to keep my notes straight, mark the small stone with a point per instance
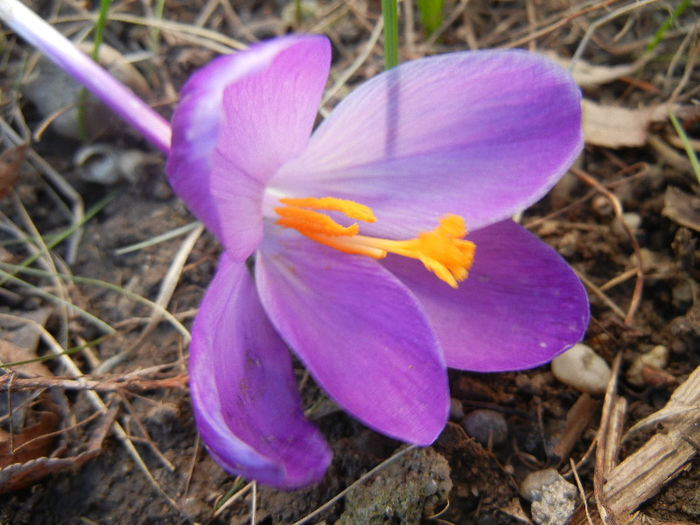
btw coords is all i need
(486, 425)
(682, 295)
(569, 244)
(456, 409)
(553, 498)
(581, 368)
(632, 220)
(431, 487)
(161, 415)
(649, 259)
(602, 206)
(657, 357)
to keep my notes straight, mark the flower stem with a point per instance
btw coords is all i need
(391, 34)
(60, 50)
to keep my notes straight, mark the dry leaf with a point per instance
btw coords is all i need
(10, 162)
(11, 353)
(20, 328)
(31, 443)
(20, 337)
(19, 475)
(682, 208)
(617, 127)
(589, 75)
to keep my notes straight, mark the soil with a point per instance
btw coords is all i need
(147, 392)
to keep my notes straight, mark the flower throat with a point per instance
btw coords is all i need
(442, 250)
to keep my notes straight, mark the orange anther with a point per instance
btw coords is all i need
(350, 208)
(442, 250)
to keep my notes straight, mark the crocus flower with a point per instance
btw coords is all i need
(357, 234)
(348, 244)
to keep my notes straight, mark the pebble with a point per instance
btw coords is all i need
(569, 243)
(581, 368)
(602, 206)
(682, 295)
(553, 498)
(105, 164)
(657, 357)
(632, 220)
(456, 409)
(485, 424)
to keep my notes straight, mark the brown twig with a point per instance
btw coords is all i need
(9, 382)
(580, 490)
(604, 509)
(617, 207)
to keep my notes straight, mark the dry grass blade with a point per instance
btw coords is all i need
(104, 327)
(600, 294)
(604, 508)
(165, 293)
(602, 21)
(361, 58)
(204, 37)
(581, 492)
(118, 431)
(67, 191)
(93, 282)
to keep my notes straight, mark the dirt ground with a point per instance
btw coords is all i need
(121, 446)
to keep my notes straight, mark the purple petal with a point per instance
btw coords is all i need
(239, 119)
(244, 395)
(477, 134)
(520, 306)
(360, 332)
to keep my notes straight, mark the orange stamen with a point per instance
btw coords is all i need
(350, 208)
(442, 250)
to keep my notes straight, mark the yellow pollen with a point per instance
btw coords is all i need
(442, 250)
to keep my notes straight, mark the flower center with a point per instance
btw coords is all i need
(442, 250)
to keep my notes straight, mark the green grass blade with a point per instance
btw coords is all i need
(391, 34)
(155, 32)
(55, 240)
(158, 239)
(686, 144)
(68, 351)
(100, 28)
(5, 268)
(661, 31)
(99, 323)
(99, 31)
(430, 15)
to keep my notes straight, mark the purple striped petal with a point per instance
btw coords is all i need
(520, 306)
(478, 134)
(239, 119)
(360, 333)
(244, 396)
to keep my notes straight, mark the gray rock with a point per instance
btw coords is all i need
(484, 425)
(456, 409)
(407, 491)
(553, 498)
